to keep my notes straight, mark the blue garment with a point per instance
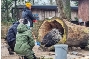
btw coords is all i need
(27, 16)
(11, 35)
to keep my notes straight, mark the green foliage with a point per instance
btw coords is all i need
(20, 2)
(6, 4)
(47, 19)
(76, 3)
(76, 18)
(10, 20)
(6, 8)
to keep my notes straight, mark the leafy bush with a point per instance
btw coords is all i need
(76, 18)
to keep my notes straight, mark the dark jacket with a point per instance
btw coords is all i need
(27, 15)
(11, 35)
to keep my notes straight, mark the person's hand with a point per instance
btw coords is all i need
(21, 20)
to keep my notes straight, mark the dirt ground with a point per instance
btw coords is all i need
(73, 54)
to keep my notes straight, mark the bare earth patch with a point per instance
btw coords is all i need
(73, 54)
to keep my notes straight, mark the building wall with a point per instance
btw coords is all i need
(49, 14)
(83, 10)
(39, 12)
(42, 14)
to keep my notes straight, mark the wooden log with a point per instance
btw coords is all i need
(77, 35)
(74, 35)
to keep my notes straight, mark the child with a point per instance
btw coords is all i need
(24, 42)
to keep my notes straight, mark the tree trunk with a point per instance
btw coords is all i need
(64, 9)
(74, 35)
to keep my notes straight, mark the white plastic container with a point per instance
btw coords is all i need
(61, 51)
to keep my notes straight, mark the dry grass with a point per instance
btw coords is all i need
(4, 29)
